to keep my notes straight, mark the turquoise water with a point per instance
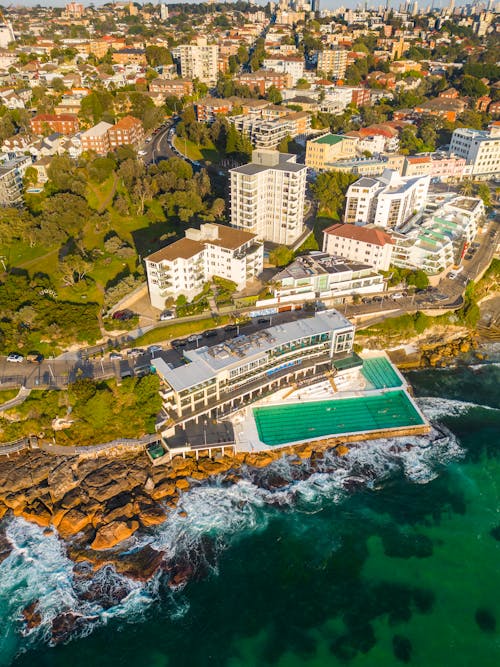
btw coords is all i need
(279, 424)
(390, 559)
(380, 373)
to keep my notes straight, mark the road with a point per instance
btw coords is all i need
(159, 147)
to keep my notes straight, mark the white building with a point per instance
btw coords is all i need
(11, 180)
(366, 244)
(480, 148)
(222, 377)
(319, 275)
(387, 201)
(268, 195)
(199, 60)
(183, 267)
(441, 239)
(294, 66)
(6, 35)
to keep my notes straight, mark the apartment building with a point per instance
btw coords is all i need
(322, 151)
(387, 201)
(222, 377)
(367, 244)
(441, 239)
(480, 148)
(260, 81)
(320, 275)
(65, 123)
(439, 165)
(294, 66)
(130, 56)
(175, 87)
(333, 62)
(96, 138)
(128, 131)
(183, 267)
(268, 196)
(199, 61)
(208, 108)
(11, 180)
(267, 132)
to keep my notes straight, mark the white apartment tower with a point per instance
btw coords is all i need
(199, 60)
(268, 195)
(333, 62)
(480, 148)
(387, 201)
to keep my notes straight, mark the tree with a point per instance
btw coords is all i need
(473, 87)
(30, 177)
(467, 188)
(101, 168)
(158, 55)
(484, 192)
(284, 143)
(330, 188)
(274, 95)
(281, 256)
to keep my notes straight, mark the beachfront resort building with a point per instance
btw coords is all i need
(216, 380)
(183, 267)
(268, 196)
(387, 201)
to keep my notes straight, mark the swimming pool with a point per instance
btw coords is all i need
(380, 373)
(280, 424)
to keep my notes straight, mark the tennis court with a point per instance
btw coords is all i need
(380, 373)
(280, 424)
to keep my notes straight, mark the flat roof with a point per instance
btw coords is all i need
(319, 263)
(330, 139)
(206, 362)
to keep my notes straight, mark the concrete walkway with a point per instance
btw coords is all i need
(22, 395)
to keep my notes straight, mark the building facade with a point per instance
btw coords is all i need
(128, 131)
(333, 62)
(11, 180)
(387, 201)
(325, 150)
(183, 267)
(199, 61)
(64, 123)
(481, 149)
(367, 244)
(219, 378)
(268, 197)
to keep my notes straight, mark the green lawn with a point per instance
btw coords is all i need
(195, 152)
(180, 329)
(321, 223)
(7, 395)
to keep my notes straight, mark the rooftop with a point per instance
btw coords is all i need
(319, 263)
(330, 139)
(206, 362)
(366, 234)
(182, 249)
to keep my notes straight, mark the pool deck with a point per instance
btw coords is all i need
(352, 385)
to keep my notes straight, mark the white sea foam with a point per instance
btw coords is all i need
(434, 407)
(38, 568)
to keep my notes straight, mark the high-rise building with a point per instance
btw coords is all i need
(333, 62)
(267, 196)
(163, 12)
(199, 61)
(387, 201)
(481, 149)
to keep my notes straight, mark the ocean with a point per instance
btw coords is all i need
(387, 556)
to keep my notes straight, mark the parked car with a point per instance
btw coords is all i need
(397, 296)
(366, 299)
(194, 338)
(15, 358)
(178, 342)
(230, 328)
(35, 357)
(135, 352)
(115, 356)
(210, 333)
(123, 315)
(152, 349)
(167, 315)
(264, 320)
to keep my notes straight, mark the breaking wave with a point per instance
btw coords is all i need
(435, 408)
(208, 519)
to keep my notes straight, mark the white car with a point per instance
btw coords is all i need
(167, 315)
(15, 358)
(116, 355)
(155, 348)
(141, 153)
(135, 352)
(194, 337)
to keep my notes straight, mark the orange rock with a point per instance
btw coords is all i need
(113, 533)
(152, 515)
(163, 490)
(342, 450)
(182, 484)
(38, 515)
(73, 522)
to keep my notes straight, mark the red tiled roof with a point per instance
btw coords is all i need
(363, 234)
